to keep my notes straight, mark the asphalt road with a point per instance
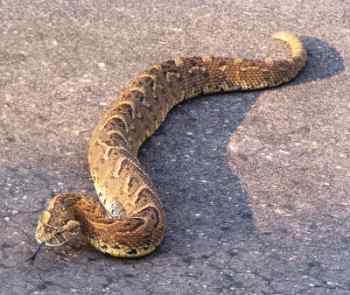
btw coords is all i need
(256, 185)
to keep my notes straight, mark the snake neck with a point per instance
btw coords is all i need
(129, 237)
(94, 219)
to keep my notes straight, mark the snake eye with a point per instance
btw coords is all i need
(59, 234)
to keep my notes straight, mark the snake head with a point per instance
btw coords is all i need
(57, 225)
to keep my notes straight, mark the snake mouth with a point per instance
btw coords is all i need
(55, 242)
(54, 245)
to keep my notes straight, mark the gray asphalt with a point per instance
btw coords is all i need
(256, 185)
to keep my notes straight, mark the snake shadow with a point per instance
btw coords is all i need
(205, 204)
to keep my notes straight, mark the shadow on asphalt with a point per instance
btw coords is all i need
(186, 159)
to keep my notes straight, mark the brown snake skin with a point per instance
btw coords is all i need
(128, 220)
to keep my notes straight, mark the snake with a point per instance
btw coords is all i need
(127, 218)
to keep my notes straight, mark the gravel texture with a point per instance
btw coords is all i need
(256, 185)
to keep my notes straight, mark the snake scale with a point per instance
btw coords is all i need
(129, 220)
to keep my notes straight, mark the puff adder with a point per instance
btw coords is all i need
(129, 220)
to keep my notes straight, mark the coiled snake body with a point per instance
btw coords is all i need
(128, 220)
